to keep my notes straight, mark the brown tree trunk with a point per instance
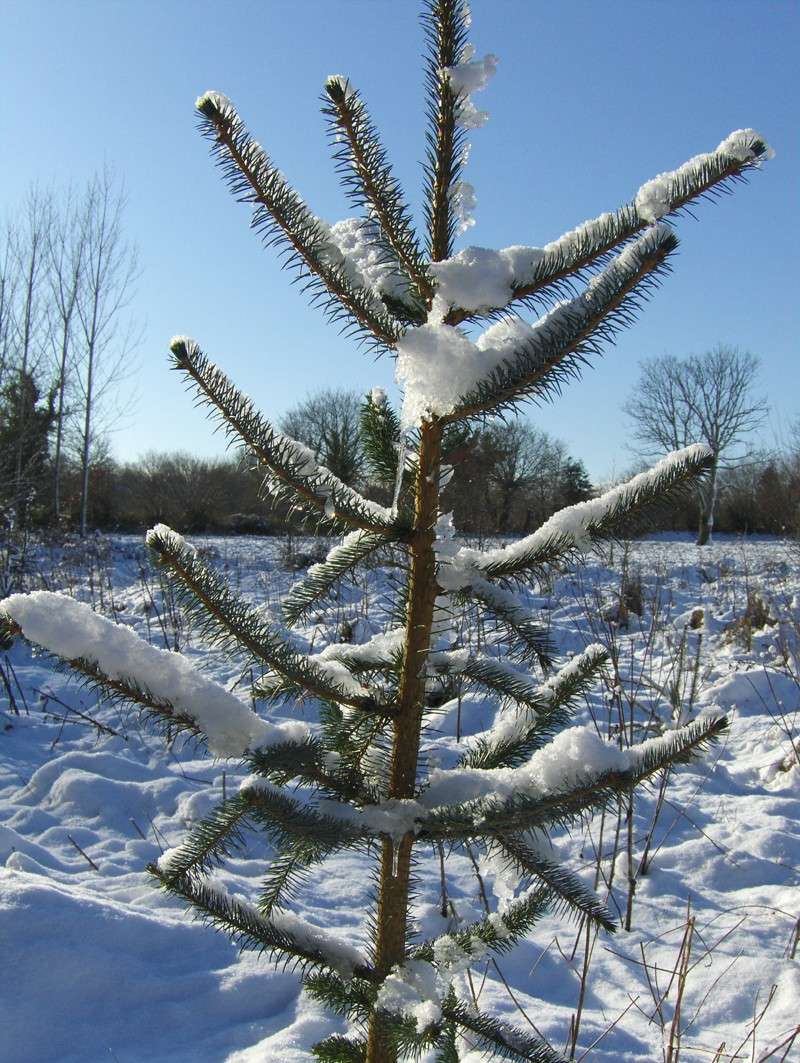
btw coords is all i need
(390, 947)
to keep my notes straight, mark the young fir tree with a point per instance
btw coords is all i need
(358, 780)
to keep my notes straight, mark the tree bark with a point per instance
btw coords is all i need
(86, 444)
(390, 947)
(20, 500)
(708, 506)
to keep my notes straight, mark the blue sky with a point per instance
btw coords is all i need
(590, 100)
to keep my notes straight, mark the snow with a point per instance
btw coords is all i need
(478, 279)
(463, 202)
(656, 197)
(347, 246)
(470, 75)
(334, 555)
(449, 955)
(217, 99)
(293, 458)
(175, 540)
(414, 990)
(323, 482)
(341, 955)
(574, 756)
(514, 721)
(340, 81)
(553, 684)
(97, 949)
(436, 364)
(339, 675)
(377, 652)
(393, 818)
(72, 631)
(364, 262)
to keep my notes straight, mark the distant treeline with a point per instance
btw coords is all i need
(494, 492)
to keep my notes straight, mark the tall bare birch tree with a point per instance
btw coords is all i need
(28, 324)
(108, 270)
(65, 242)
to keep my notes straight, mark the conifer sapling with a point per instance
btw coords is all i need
(364, 778)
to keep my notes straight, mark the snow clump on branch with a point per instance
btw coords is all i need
(414, 990)
(362, 258)
(470, 75)
(437, 364)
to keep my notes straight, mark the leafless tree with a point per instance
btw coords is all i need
(512, 476)
(66, 243)
(527, 463)
(28, 321)
(703, 398)
(108, 270)
(327, 422)
(8, 287)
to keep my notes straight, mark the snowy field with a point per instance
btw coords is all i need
(99, 966)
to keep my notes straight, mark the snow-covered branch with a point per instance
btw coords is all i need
(228, 621)
(74, 632)
(281, 216)
(445, 374)
(576, 527)
(321, 577)
(289, 464)
(519, 273)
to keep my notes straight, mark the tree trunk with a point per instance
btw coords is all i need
(390, 947)
(60, 425)
(87, 429)
(708, 503)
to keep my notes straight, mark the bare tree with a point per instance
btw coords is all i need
(65, 242)
(328, 423)
(108, 269)
(525, 470)
(511, 476)
(27, 325)
(703, 398)
(8, 288)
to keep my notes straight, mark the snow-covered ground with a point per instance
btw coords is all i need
(97, 965)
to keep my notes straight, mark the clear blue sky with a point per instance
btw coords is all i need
(591, 98)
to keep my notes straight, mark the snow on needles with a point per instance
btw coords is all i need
(338, 954)
(414, 990)
(353, 246)
(577, 756)
(72, 631)
(574, 756)
(343, 957)
(467, 77)
(573, 525)
(437, 364)
(655, 198)
(480, 278)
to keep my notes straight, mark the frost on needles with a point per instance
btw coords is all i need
(475, 332)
